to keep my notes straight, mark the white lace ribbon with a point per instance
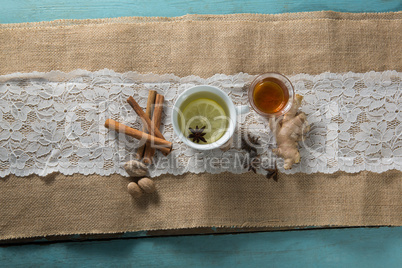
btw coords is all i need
(53, 122)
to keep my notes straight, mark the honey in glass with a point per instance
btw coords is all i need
(271, 94)
(269, 97)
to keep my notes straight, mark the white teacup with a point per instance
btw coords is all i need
(232, 112)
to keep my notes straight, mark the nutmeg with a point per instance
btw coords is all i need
(136, 168)
(134, 189)
(147, 185)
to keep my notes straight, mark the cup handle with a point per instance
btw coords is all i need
(242, 109)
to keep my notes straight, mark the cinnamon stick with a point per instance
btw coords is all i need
(156, 123)
(148, 111)
(161, 144)
(145, 118)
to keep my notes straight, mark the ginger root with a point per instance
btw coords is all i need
(289, 132)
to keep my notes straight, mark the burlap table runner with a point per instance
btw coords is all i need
(202, 45)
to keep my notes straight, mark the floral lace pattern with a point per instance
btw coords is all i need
(53, 122)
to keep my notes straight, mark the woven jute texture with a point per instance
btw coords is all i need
(202, 45)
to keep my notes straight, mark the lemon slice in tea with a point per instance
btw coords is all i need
(204, 113)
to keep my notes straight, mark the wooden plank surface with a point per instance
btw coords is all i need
(45, 10)
(350, 247)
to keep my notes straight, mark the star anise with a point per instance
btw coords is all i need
(197, 134)
(250, 144)
(254, 164)
(272, 173)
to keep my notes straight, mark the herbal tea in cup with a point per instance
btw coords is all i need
(204, 117)
(271, 94)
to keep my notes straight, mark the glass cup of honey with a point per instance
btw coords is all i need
(271, 94)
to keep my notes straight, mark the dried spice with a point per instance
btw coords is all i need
(288, 132)
(249, 146)
(272, 173)
(254, 140)
(254, 164)
(197, 134)
(147, 185)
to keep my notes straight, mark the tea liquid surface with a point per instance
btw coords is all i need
(204, 109)
(269, 96)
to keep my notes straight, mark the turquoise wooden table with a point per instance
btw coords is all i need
(311, 247)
